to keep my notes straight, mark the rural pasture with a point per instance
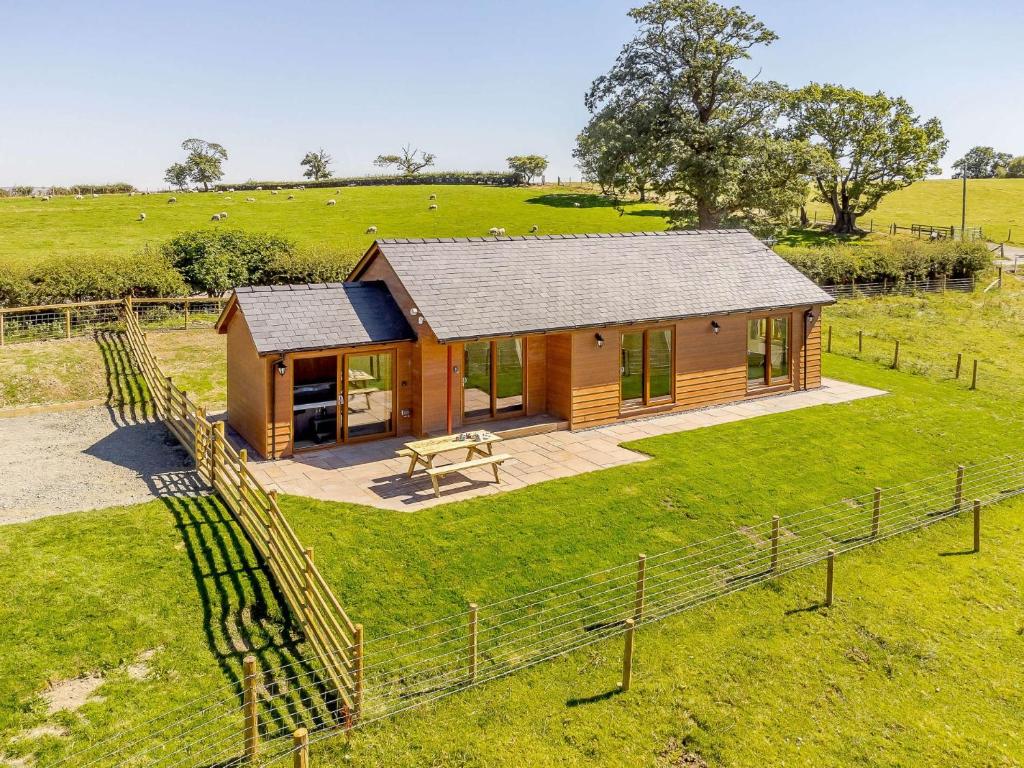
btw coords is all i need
(31, 229)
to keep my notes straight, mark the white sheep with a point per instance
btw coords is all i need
(250, 199)
(142, 217)
(231, 189)
(273, 191)
(501, 231)
(215, 217)
(95, 195)
(372, 230)
(332, 201)
(534, 229)
(433, 197)
(493, 231)
(432, 207)
(575, 205)
(220, 191)
(259, 189)
(79, 197)
(291, 197)
(172, 200)
(223, 214)
(132, 194)
(45, 198)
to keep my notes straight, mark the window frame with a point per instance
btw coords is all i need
(646, 401)
(768, 381)
(493, 413)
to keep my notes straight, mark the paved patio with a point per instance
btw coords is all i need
(370, 473)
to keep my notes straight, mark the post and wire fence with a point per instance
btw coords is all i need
(855, 290)
(282, 711)
(66, 321)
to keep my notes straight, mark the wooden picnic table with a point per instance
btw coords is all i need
(477, 443)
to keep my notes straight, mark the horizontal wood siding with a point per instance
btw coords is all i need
(595, 378)
(246, 385)
(279, 429)
(814, 352)
(558, 374)
(711, 367)
(433, 385)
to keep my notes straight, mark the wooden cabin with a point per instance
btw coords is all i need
(433, 336)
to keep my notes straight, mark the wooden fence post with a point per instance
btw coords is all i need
(775, 541)
(959, 364)
(999, 281)
(249, 707)
(627, 655)
(829, 576)
(974, 375)
(641, 578)
(977, 525)
(474, 628)
(876, 512)
(67, 323)
(958, 490)
(860, 341)
(829, 338)
(357, 657)
(300, 748)
(307, 582)
(3, 330)
(217, 451)
(896, 356)
(186, 314)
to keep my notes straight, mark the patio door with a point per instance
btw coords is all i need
(369, 395)
(493, 378)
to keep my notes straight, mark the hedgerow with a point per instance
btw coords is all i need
(494, 178)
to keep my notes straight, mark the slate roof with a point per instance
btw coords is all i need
(291, 318)
(474, 287)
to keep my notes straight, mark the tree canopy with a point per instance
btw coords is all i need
(409, 161)
(316, 164)
(676, 109)
(982, 163)
(203, 164)
(527, 166)
(876, 144)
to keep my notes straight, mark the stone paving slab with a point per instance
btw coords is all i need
(371, 474)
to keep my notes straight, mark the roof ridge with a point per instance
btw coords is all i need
(556, 236)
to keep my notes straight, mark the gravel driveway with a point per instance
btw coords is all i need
(53, 463)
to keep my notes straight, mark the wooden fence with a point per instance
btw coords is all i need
(64, 321)
(334, 638)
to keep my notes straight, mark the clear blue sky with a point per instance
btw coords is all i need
(104, 91)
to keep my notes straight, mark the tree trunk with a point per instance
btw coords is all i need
(708, 217)
(804, 221)
(642, 189)
(846, 222)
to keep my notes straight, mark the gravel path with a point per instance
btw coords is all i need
(53, 463)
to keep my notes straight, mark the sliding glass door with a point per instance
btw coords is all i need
(493, 378)
(369, 381)
(768, 362)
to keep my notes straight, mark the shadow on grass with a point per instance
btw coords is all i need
(584, 700)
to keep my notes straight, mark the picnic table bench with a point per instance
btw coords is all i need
(479, 453)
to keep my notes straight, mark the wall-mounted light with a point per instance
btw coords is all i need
(414, 311)
(809, 317)
(715, 327)
(599, 339)
(282, 367)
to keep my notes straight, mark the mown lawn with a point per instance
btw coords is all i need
(108, 226)
(995, 205)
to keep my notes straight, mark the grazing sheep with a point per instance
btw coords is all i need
(259, 189)
(132, 194)
(332, 202)
(493, 231)
(371, 230)
(534, 229)
(433, 207)
(95, 195)
(220, 191)
(433, 197)
(215, 217)
(291, 197)
(273, 191)
(45, 198)
(501, 231)
(79, 197)
(223, 214)
(575, 205)
(280, 187)
(142, 217)
(250, 199)
(172, 199)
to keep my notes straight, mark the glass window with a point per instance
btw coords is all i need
(508, 361)
(476, 379)
(768, 351)
(369, 387)
(631, 368)
(493, 378)
(645, 367)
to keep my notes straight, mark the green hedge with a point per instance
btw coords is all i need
(893, 260)
(493, 178)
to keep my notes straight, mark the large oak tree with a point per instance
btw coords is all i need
(876, 144)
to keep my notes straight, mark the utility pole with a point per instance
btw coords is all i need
(963, 205)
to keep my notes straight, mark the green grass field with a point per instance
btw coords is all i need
(916, 642)
(31, 229)
(995, 205)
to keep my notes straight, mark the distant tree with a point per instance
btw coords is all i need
(178, 175)
(876, 145)
(409, 162)
(982, 163)
(682, 109)
(1015, 168)
(527, 166)
(317, 165)
(203, 161)
(215, 260)
(618, 152)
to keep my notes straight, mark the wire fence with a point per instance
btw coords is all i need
(920, 231)
(275, 714)
(66, 321)
(900, 288)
